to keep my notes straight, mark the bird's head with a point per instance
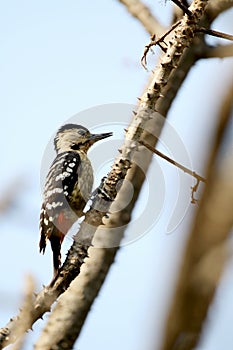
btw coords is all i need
(72, 137)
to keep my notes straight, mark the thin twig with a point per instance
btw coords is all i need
(160, 41)
(214, 33)
(154, 42)
(178, 165)
(194, 190)
(183, 8)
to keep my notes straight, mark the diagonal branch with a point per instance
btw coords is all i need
(178, 165)
(198, 177)
(206, 252)
(220, 51)
(141, 12)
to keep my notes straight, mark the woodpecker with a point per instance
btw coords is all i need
(68, 186)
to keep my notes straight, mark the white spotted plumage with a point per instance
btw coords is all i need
(68, 186)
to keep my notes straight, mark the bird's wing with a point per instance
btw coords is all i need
(62, 176)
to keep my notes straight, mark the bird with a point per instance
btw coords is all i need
(67, 188)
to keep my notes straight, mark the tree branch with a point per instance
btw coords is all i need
(216, 7)
(173, 162)
(199, 178)
(140, 11)
(220, 51)
(205, 253)
(215, 33)
(26, 314)
(159, 41)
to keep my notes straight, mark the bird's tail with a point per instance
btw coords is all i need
(56, 248)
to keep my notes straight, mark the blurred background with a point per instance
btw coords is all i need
(57, 60)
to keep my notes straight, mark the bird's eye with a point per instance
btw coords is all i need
(81, 132)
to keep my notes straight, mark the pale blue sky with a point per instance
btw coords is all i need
(57, 59)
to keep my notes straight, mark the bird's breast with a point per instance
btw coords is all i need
(82, 189)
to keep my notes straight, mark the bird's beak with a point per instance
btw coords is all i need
(96, 137)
